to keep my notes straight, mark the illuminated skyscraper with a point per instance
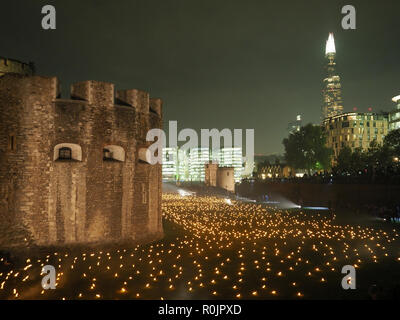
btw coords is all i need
(332, 91)
(169, 163)
(295, 126)
(394, 116)
(198, 157)
(179, 165)
(175, 164)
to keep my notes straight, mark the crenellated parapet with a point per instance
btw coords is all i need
(15, 66)
(94, 92)
(156, 106)
(138, 99)
(36, 87)
(91, 92)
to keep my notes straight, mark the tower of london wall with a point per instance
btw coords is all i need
(69, 168)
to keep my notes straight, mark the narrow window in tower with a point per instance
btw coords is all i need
(65, 153)
(11, 142)
(144, 194)
(107, 155)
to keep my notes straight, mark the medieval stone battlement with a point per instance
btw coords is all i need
(93, 92)
(15, 66)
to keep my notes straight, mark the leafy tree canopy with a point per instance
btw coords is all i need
(306, 149)
(392, 141)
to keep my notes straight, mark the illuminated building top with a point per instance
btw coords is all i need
(330, 45)
(332, 91)
(394, 115)
(396, 99)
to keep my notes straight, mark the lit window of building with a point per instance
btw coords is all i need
(394, 116)
(231, 157)
(332, 92)
(190, 166)
(364, 137)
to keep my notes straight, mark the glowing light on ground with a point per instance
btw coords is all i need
(214, 249)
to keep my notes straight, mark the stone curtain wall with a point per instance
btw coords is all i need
(78, 200)
(338, 195)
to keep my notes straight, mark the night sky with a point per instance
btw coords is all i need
(216, 64)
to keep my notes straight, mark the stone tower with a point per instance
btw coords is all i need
(75, 170)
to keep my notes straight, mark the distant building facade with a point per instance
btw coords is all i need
(197, 158)
(295, 126)
(231, 157)
(355, 130)
(175, 164)
(221, 177)
(179, 165)
(332, 88)
(169, 164)
(210, 172)
(275, 171)
(394, 116)
(226, 178)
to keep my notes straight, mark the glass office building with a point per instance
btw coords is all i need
(394, 116)
(175, 165)
(355, 130)
(231, 157)
(198, 157)
(179, 165)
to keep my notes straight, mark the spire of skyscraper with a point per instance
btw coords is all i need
(330, 45)
(332, 91)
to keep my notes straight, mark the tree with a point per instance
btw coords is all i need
(344, 160)
(379, 158)
(306, 149)
(351, 162)
(392, 141)
(359, 160)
